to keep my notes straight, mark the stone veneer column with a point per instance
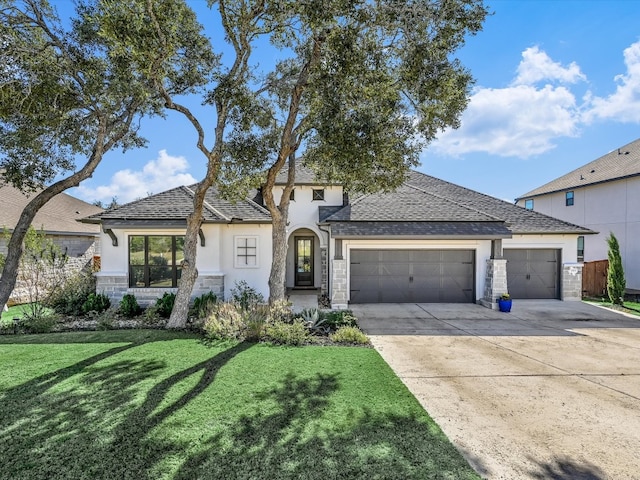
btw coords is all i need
(495, 282)
(572, 281)
(339, 284)
(324, 286)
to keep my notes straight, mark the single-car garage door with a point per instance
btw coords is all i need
(421, 276)
(533, 273)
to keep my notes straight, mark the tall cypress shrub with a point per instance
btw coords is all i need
(615, 276)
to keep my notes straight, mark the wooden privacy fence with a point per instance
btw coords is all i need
(594, 278)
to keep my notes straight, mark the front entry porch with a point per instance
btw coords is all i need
(306, 261)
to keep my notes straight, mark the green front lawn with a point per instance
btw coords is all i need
(629, 307)
(143, 404)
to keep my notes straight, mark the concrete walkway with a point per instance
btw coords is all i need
(551, 390)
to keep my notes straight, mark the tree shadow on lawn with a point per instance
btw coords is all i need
(51, 431)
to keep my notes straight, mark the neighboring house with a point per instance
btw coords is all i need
(604, 196)
(429, 241)
(58, 219)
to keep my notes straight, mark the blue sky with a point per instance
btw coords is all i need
(557, 85)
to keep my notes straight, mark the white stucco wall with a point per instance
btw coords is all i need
(568, 244)
(604, 208)
(303, 211)
(215, 258)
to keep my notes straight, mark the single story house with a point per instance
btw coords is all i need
(602, 195)
(58, 219)
(428, 241)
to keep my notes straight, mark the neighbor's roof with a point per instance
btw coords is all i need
(58, 215)
(621, 163)
(176, 204)
(424, 198)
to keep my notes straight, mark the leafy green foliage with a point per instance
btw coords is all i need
(40, 323)
(294, 334)
(226, 322)
(315, 322)
(203, 304)
(341, 318)
(129, 306)
(70, 298)
(616, 282)
(96, 303)
(245, 296)
(164, 304)
(349, 335)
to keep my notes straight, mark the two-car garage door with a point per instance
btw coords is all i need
(420, 276)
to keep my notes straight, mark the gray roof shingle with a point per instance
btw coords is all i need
(417, 229)
(58, 215)
(176, 204)
(621, 163)
(424, 198)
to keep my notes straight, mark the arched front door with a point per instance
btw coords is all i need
(303, 261)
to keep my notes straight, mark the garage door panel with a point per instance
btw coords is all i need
(533, 273)
(421, 276)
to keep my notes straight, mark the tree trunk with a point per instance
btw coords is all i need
(14, 249)
(180, 312)
(277, 277)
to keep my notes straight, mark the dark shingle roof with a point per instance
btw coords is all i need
(620, 163)
(58, 215)
(412, 229)
(424, 198)
(177, 204)
(304, 175)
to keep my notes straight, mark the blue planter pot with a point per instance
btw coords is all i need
(504, 305)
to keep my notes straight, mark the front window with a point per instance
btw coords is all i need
(581, 248)
(569, 199)
(155, 260)
(246, 255)
(528, 204)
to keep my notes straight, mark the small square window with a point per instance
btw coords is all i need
(528, 204)
(246, 252)
(318, 194)
(569, 199)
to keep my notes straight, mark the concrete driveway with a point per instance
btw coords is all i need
(549, 391)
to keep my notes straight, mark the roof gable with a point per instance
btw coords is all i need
(621, 163)
(58, 215)
(176, 205)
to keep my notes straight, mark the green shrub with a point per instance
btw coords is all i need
(226, 322)
(280, 311)
(152, 317)
(106, 319)
(256, 321)
(349, 335)
(96, 302)
(38, 324)
(129, 306)
(165, 303)
(70, 298)
(203, 305)
(315, 322)
(245, 296)
(288, 333)
(616, 283)
(341, 318)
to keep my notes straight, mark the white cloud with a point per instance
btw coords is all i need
(518, 121)
(624, 104)
(157, 175)
(537, 66)
(522, 119)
